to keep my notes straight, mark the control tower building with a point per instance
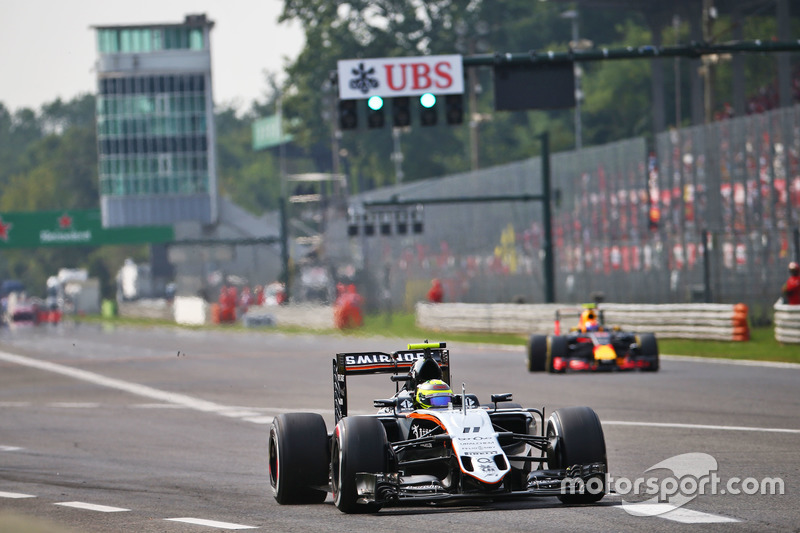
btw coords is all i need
(155, 124)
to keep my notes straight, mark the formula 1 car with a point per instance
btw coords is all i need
(592, 346)
(405, 454)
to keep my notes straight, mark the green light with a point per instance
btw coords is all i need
(375, 102)
(427, 100)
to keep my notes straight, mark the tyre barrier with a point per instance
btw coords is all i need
(728, 322)
(787, 323)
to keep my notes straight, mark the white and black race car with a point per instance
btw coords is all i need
(404, 455)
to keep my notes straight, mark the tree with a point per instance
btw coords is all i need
(387, 28)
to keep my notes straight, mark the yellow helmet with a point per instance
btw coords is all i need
(433, 393)
(588, 320)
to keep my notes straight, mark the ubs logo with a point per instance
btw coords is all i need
(364, 79)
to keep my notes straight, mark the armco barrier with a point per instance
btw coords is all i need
(307, 316)
(787, 323)
(152, 308)
(687, 321)
(195, 311)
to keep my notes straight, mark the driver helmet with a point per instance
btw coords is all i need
(589, 321)
(424, 370)
(794, 268)
(591, 325)
(433, 393)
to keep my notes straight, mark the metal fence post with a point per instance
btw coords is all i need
(285, 278)
(549, 276)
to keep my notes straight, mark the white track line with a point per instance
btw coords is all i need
(723, 361)
(133, 388)
(697, 426)
(10, 448)
(259, 419)
(15, 495)
(210, 523)
(92, 507)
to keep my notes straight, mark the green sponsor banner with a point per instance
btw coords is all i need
(72, 228)
(268, 132)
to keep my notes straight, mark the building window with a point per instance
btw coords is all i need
(162, 104)
(196, 39)
(125, 41)
(107, 41)
(164, 165)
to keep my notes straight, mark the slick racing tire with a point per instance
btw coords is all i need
(558, 348)
(359, 445)
(298, 458)
(576, 438)
(648, 348)
(537, 353)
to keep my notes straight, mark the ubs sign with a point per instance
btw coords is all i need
(400, 76)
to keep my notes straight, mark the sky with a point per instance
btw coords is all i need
(48, 48)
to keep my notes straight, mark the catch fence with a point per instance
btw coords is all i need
(629, 223)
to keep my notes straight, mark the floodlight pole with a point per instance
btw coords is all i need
(397, 156)
(549, 263)
(285, 277)
(545, 198)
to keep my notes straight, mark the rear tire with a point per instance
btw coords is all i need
(359, 445)
(558, 348)
(537, 353)
(298, 458)
(576, 438)
(648, 347)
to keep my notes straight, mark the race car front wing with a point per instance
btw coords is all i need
(393, 488)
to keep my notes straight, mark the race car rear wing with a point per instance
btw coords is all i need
(399, 362)
(575, 312)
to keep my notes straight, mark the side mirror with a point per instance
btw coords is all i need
(505, 397)
(388, 402)
(397, 377)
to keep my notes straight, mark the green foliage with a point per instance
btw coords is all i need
(618, 93)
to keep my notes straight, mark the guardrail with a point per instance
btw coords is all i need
(302, 315)
(196, 311)
(153, 308)
(787, 323)
(687, 321)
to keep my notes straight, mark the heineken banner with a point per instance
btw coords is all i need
(72, 228)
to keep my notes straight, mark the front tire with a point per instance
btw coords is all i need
(298, 458)
(648, 348)
(576, 438)
(359, 445)
(558, 348)
(537, 353)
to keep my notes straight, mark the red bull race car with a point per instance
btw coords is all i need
(427, 444)
(591, 346)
